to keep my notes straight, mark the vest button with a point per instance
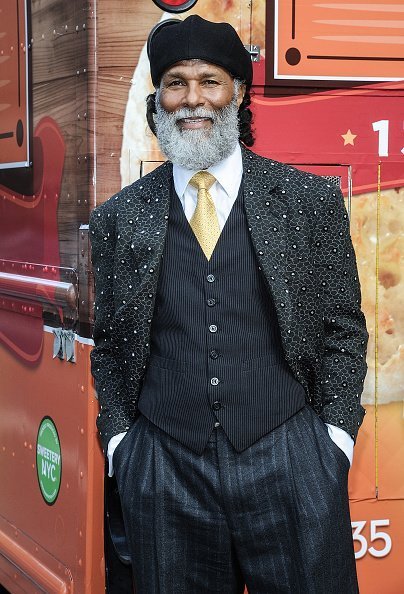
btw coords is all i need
(210, 278)
(211, 302)
(214, 381)
(212, 328)
(213, 354)
(217, 405)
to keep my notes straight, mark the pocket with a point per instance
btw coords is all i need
(335, 451)
(118, 447)
(123, 443)
(338, 452)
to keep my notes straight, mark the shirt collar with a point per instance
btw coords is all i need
(228, 173)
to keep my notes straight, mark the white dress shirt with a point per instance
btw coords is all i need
(224, 192)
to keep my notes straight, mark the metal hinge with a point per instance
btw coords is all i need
(63, 344)
(254, 51)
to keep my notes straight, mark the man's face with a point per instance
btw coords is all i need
(193, 84)
(197, 114)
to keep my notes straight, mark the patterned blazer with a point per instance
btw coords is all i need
(300, 232)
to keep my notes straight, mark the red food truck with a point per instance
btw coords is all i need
(327, 98)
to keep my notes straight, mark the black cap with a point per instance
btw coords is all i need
(196, 38)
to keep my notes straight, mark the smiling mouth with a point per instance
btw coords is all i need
(193, 122)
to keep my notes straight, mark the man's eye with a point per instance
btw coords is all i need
(175, 83)
(210, 81)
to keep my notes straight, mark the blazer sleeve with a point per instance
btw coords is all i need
(343, 367)
(116, 413)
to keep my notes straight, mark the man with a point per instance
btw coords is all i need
(230, 345)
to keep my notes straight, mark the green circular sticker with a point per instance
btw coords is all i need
(48, 460)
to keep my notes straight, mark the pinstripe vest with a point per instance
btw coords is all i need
(216, 353)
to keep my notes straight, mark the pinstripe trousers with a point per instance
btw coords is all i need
(274, 517)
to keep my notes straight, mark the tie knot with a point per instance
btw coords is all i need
(202, 180)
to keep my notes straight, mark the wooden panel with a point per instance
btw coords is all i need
(122, 29)
(60, 80)
(15, 125)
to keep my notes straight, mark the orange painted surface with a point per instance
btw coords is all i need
(390, 452)
(377, 468)
(380, 570)
(358, 40)
(69, 533)
(14, 126)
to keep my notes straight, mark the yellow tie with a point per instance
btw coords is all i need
(204, 221)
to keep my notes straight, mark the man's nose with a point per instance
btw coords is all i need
(193, 96)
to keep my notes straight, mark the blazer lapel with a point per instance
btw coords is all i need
(266, 208)
(147, 211)
(150, 222)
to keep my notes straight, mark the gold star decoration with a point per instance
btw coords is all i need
(349, 137)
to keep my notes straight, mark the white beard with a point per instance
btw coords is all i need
(201, 148)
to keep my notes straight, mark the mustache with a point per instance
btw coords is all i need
(198, 112)
(216, 115)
